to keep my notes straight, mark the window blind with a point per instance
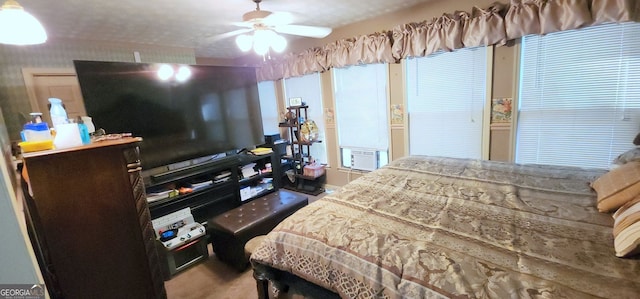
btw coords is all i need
(579, 102)
(446, 95)
(268, 107)
(362, 106)
(308, 88)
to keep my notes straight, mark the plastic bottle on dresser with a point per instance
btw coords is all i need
(57, 112)
(84, 131)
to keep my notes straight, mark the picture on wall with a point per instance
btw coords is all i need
(397, 114)
(501, 110)
(328, 116)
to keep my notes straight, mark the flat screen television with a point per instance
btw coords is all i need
(215, 110)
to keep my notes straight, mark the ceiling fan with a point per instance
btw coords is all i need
(265, 25)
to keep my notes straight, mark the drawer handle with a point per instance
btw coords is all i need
(132, 165)
(135, 169)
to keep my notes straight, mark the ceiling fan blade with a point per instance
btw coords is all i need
(242, 24)
(229, 34)
(302, 30)
(278, 18)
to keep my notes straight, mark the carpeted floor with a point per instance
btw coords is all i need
(214, 279)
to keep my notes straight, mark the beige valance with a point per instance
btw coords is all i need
(371, 48)
(494, 25)
(293, 64)
(365, 49)
(606, 11)
(545, 16)
(484, 27)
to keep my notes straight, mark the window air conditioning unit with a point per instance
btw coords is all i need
(364, 159)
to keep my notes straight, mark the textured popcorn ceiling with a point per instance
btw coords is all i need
(189, 23)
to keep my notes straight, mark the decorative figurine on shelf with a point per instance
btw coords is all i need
(309, 131)
(290, 117)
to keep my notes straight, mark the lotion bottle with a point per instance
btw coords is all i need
(57, 112)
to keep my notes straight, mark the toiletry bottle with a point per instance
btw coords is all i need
(84, 131)
(36, 117)
(57, 112)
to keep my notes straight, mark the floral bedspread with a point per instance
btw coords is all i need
(433, 227)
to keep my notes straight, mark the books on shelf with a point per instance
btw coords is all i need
(245, 193)
(198, 186)
(155, 196)
(248, 170)
(262, 151)
(249, 192)
(222, 177)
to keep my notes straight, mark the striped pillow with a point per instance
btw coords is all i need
(626, 229)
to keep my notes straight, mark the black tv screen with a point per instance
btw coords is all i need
(215, 110)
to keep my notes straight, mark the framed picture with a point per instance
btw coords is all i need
(501, 110)
(295, 101)
(397, 114)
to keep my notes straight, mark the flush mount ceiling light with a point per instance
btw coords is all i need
(18, 27)
(264, 30)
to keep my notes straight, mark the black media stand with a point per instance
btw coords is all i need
(212, 188)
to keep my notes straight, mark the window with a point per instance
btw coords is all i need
(579, 102)
(308, 88)
(268, 107)
(446, 94)
(361, 115)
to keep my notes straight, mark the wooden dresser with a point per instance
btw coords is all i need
(89, 222)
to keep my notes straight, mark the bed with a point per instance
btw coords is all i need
(436, 227)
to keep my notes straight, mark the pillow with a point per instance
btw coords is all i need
(628, 156)
(626, 229)
(618, 186)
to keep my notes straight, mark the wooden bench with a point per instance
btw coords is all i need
(229, 232)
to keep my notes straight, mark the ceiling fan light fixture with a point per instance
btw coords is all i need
(244, 42)
(262, 36)
(279, 43)
(18, 27)
(260, 48)
(262, 40)
(267, 30)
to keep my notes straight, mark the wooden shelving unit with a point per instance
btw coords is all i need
(300, 154)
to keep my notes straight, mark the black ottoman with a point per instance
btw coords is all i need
(229, 232)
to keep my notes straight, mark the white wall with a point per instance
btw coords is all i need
(17, 261)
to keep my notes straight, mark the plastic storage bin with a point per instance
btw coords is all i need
(34, 146)
(313, 170)
(36, 132)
